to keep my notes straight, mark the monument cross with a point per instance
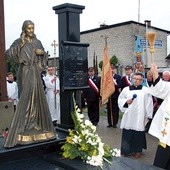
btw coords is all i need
(105, 39)
(55, 45)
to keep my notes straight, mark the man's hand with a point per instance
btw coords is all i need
(56, 91)
(154, 71)
(129, 101)
(54, 79)
(39, 52)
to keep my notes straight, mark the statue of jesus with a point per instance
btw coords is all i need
(32, 120)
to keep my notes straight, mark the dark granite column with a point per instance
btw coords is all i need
(3, 91)
(68, 30)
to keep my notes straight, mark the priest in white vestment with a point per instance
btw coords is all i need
(137, 106)
(160, 126)
(53, 95)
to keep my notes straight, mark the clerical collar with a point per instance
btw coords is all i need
(135, 87)
(10, 81)
(150, 83)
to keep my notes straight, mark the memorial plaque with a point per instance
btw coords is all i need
(75, 65)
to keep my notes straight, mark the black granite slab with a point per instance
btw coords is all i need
(47, 156)
(121, 163)
(30, 164)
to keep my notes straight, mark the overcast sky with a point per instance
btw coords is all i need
(95, 12)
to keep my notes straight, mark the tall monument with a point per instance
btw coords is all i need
(73, 62)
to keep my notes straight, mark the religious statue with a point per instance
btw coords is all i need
(138, 63)
(32, 120)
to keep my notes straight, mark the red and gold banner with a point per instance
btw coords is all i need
(107, 84)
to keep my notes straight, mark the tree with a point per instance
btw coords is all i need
(113, 60)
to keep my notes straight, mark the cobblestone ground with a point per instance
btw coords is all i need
(112, 136)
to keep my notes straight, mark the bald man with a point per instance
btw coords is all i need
(166, 75)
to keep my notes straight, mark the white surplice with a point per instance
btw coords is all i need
(53, 100)
(12, 92)
(138, 111)
(160, 126)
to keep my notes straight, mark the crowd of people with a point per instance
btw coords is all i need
(141, 105)
(36, 100)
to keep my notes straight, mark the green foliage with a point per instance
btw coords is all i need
(107, 153)
(100, 65)
(113, 60)
(71, 151)
(84, 142)
(11, 65)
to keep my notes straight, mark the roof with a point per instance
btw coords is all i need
(168, 57)
(121, 24)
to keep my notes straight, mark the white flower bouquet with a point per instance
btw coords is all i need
(83, 142)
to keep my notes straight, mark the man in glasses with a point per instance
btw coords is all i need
(137, 106)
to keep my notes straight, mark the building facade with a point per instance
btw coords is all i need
(121, 43)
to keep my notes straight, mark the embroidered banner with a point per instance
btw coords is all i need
(107, 84)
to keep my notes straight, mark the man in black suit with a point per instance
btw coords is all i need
(92, 96)
(112, 105)
(127, 79)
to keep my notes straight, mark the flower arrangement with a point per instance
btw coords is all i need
(83, 142)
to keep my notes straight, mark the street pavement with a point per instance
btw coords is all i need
(112, 136)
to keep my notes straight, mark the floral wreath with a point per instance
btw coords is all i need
(83, 142)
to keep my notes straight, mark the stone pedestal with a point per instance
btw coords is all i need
(6, 114)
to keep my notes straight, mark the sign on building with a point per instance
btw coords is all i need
(158, 43)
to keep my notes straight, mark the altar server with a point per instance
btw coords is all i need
(137, 106)
(12, 89)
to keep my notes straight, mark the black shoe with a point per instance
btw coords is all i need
(55, 122)
(109, 126)
(95, 124)
(114, 126)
